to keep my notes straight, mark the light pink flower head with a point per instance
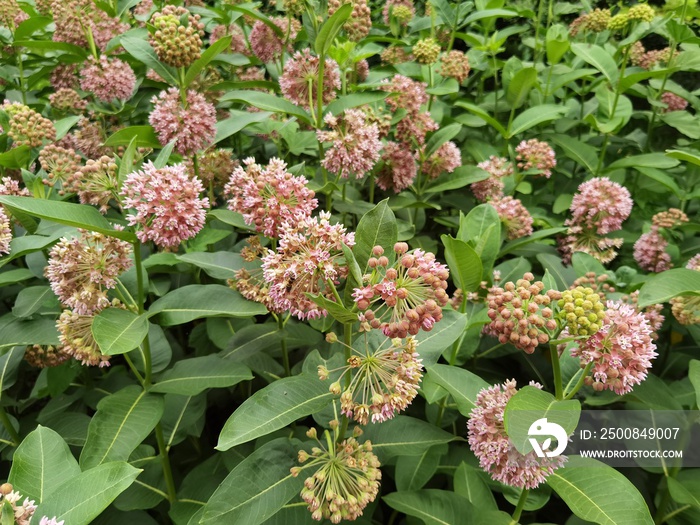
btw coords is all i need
(45, 520)
(75, 334)
(308, 256)
(447, 158)
(621, 351)
(405, 94)
(301, 73)
(82, 269)
(9, 186)
(514, 215)
(108, 79)
(269, 196)
(192, 126)
(267, 45)
(650, 251)
(5, 232)
(673, 102)
(355, 144)
(496, 452)
(535, 154)
(238, 43)
(498, 168)
(167, 204)
(399, 169)
(601, 205)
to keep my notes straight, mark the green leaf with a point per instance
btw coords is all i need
(40, 331)
(469, 484)
(432, 344)
(599, 58)
(145, 137)
(531, 117)
(31, 299)
(203, 61)
(77, 215)
(30, 26)
(686, 156)
(81, 499)
(520, 86)
(355, 272)
(666, 285)
(15, 276)
(267, 102)
(464, 262)
(274, 407)
(238, 121)
(404, 436)
(252, 339)
(441, 136)
(563, 275)
(687, 493)
(190, 377)
(432, 506)
(458, 179)
(576, 150)
(257, 15)
(376, 227)
(202, 300)
(647, 160)
(599, 493)
(354, 100)
(584, 263)
(329, 30)
(41, 463)
(257, 487)
(50, 45)
(523, 241)
(141, 50)
(16, 158)
(64, 125)
(413, 472)
(219, 265)
(694, 375)
(557, 43)
(122, 421)
(462, 385)
(337, 310)
(483, 115)
(118, 331)
(530, 404)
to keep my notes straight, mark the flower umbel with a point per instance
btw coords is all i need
(346, 478)
(404, 297)
(168, 207)
(384, 381)
(299, 82)
(490, 443)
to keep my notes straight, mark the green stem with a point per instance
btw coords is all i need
(5, 419)
(167, 471)
(658, 517)
(283, 344)
(20, 67)
(556, 371)
(134, 369)
(674, 513)
(347, 339)
(580, 382)
(521, 505)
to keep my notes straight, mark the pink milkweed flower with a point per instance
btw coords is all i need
(535, 154)
(168, 207)
(601, 205)
(399, 170)
(650, 251)
(108, 79)
(299, 82)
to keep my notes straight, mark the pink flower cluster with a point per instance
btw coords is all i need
(600, 207)
(404, 297)
(514, 216)
(82, 269)
(299, 82)
(498, 168)
(650, 251)
(399, 169)
(673, 102)
(192, 125)
(491, 445)
(5, 232)
(537, 155)
(270, 196)
(266, 44)
(447, 158)
(621, 351)
(355, 144)
(167, 204)
(307, 260)
(108, 79)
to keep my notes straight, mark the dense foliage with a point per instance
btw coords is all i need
(308, 260)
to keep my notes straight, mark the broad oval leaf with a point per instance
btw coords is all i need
(274, 407)
(462, 385)
(267, 102)
(190, 377)
(41, 463)
(531, 117)
(599, 493)
(209, 55)
(122, 421)
(465, 265)
(143, 136)
(667, 285)
(376, 227)
(329, 30)
(141, 50)
(599, 58)
(118, 331)
(77, 215)
(9, 363)
(446, 332)
(433, 506)
(31, 299)
(469, 484)
(404, 436)
(257, 487)
(202, 300)
(81, 499)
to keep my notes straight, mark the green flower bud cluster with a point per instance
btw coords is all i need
(618, 22)
(426, 51)
(642, 12)
(581, 310)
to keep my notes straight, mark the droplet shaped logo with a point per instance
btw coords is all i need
(542, 427)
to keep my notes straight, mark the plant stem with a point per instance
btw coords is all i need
(347, 339)
(580, 381)
(556, 371)
(5, 419)
(674, 513)
(167, 471)
(283, 344)
(521, 504)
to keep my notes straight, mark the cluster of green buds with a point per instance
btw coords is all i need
(581, 310)
(178, 36)
(27, 127)
(426, 51)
